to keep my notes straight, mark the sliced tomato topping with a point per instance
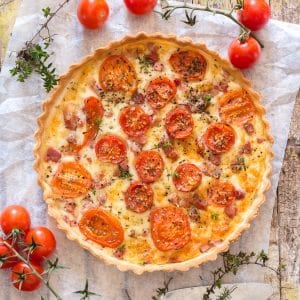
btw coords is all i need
(71, 180)
(139, 197)
(134, 121)
(179, 123)
(219, 137)
(111, 148)
(190, 65)
(149, 165)
(117, 74)
(94, 113)
(160, 91)
(101, 227)
(187, 177)
(236, 107)
(170, 228)
(221, 193)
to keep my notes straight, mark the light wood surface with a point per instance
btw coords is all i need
(284, 239)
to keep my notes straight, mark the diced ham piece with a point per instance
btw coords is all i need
(53, 155)
(222, 86)
(124, 165)
(198, 202)
(205, 247)
(135, 147)
(71, 118)
(138, 98)
(230, 210)
(177, 81)
(141, 140)
(71, 138)
(119, 252)
(70, 206)
(200, 145)
(194, 214)
(249, 128)
(158, 67)
(101, 199)
(153, 55)
(211, 170)
(174, 199)
(215, 159)
(168, 149)
(246, 149)
(108, 114)
(101, 181)
(239, 195)
(259, 140)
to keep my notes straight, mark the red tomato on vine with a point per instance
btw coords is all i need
(254, 14)
(244, 53)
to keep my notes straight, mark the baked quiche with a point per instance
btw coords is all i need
(153, 153)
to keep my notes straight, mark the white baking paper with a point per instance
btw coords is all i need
(276, 76)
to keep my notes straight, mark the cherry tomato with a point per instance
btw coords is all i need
(139, 197)
(187, 177)
(134, 121)
(170, 228)
(92, 13)
(179, 123)
(111, 148)
(6, 256)
(15, 217)
(22, 277)
(71, 180)
(149, 165)
(244, 54)
(45, 240)
(236, 107)
(140, 7)
(117, 74)
(101, 227)
(255, 14)
(221, 193)
(190, 65)
(160, 91)
(219, 137)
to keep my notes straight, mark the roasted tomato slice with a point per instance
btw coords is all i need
(111, 148)
(170, 228)
(219, 137)
(160, 91)
(94, 113)
(71, 180)
(190, 65)
(187, 177)
(139, 197)
(221, 193)
(134, 121)
(149, 165)
(236, 107)
(179, 123)
(101, 227)
(117, 74)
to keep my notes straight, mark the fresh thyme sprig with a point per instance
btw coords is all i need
(191, 18)
(231, 264)
(34, 56)
(163, 290)
(86, 293)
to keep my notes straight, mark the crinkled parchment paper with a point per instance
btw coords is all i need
(276, 76)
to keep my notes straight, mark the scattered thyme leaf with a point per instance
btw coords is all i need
(46, 11)
(226, 293)
(214, 216)
(85, 292)
(125, 174)
(162, 291)
(145, 63)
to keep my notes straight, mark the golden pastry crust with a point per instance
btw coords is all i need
(124, 265)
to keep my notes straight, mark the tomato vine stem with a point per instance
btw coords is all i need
(168, 10)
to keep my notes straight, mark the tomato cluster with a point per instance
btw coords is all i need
(19, 240)
(243, 52)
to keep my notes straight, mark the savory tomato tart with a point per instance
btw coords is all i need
(153, 153)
